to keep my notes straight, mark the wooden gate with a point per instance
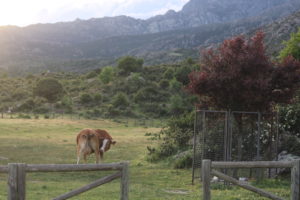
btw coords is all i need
(17, 177)
(208, 169)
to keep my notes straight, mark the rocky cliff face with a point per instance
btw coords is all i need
(199, 12)
(193, 14)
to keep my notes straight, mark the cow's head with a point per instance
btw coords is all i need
(106, 144)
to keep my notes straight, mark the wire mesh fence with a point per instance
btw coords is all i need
(235, 136)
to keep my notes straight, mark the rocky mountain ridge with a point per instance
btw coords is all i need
(164, 38)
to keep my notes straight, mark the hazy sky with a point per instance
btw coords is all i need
(24, 12)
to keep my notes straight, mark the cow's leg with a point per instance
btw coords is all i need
(84, 158)
(78, 158)
(97, 154)
(94, 144)
(101, 155)
(78, 155)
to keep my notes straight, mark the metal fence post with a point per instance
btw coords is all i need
(205, 171)
(16, 181)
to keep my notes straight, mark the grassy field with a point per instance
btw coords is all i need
(42, 141)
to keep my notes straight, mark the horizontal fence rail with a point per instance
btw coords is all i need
(17, 177)
(208, 169)
(253, 164)
(67, 167)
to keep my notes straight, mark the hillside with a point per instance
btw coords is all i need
(147, 91)
(83, 45)
(280, 31)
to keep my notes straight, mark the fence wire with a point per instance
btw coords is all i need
(235, 136)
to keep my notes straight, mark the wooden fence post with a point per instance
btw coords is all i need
(124, 182)
(295, 185)
(205, 174)
(16, 181)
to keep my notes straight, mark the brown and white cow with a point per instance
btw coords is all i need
(93, 141)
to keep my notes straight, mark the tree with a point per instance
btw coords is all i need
(168, 74)
(129, 64)
(290, 115)
(176, 105)
(239, 76)
(49, 88)
(175, 85)
(292, 47)
(107, 74)
(86, 99)
(120, 100)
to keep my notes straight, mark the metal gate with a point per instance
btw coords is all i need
(234, 136)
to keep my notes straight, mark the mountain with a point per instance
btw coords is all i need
(83, 45)
(199, 12)
(280, 31)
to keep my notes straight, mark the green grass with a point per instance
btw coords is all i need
(53, 141)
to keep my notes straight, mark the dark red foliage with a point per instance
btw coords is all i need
(239, 76)
(285, 80)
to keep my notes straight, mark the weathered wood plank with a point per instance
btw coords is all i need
(205, 173)
(16, 181)
(21, 181)
(12, 181)
(73, 167)
(295, 181)
(245, 185)
(90, 186)
(124, 182)
(254, 164)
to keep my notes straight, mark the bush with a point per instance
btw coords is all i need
(183, 160)
(154, 109)
(97, 99)
(120, 100)
(128, 64)
(41, 110)
(164, 84)
(86, 99)
(24, 116)
(175, 138)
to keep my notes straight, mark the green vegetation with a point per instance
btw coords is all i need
(131, 91)
(290, 114)
(127, 90)
(49, 89)
(53, 141)
(292, 47)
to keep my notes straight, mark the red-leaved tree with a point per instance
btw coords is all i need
(239, 76)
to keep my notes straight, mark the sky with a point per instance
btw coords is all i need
(25, 12)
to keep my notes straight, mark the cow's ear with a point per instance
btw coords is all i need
(113, 142)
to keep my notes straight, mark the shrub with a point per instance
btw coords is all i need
(164, 84)
(120, 100)
(107, 74)
(183, 160)
(168, 74)
(86, 99)
(129, 64)
(97, 99)
(175, 137)
(24, 116)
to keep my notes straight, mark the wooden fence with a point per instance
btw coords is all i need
(17, 177)
(208, 169)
